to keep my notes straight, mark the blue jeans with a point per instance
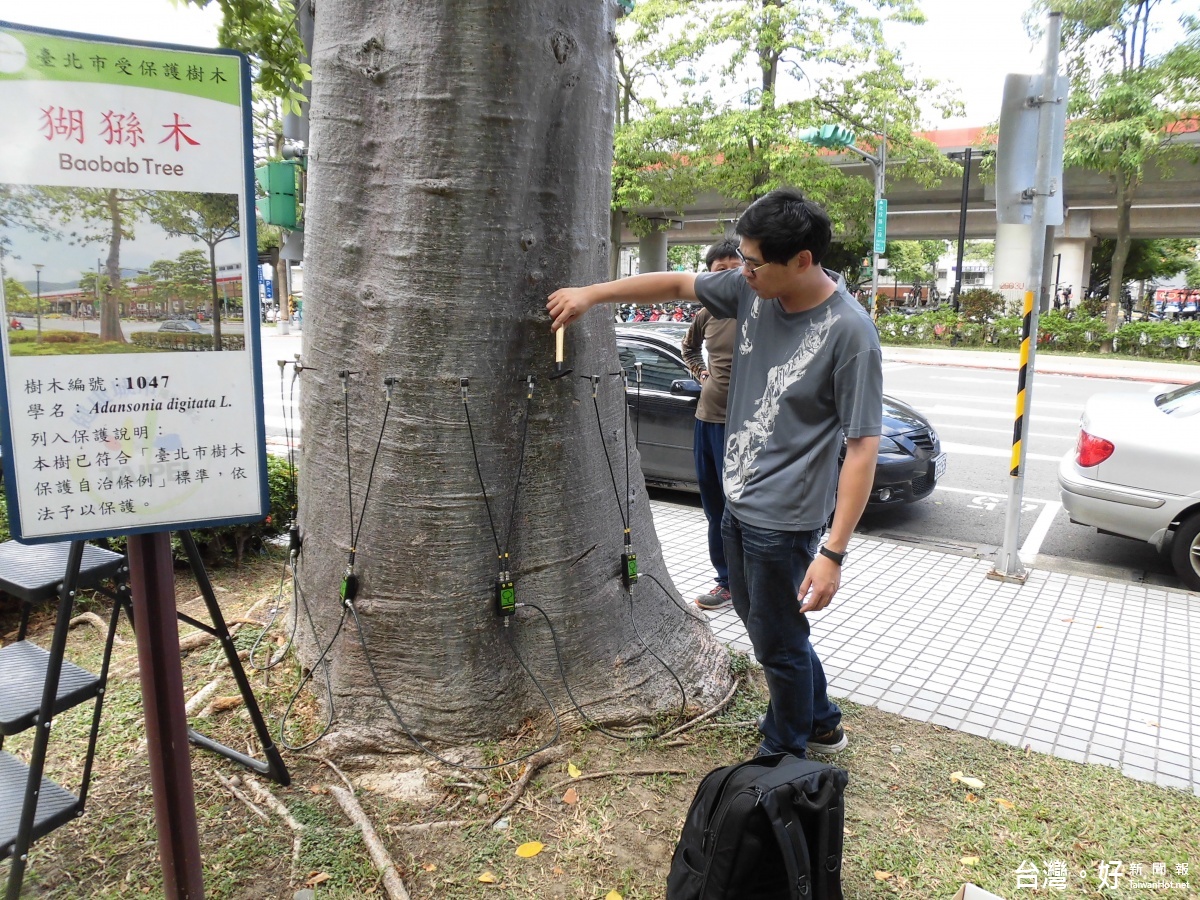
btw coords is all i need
(765, 571)
(708, 447)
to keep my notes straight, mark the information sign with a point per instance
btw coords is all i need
(142, 411)
(881, 225)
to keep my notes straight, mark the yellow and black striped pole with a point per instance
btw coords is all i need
(1014, 468)
(1047, 97)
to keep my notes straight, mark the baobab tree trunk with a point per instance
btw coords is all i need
(460, 171)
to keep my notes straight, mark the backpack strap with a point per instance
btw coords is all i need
(789, 834)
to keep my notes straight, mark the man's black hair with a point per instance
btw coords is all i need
(784, 223)
(725, 249)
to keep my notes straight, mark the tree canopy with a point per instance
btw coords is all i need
(1129, 107)
(777, 67)
(1148, 260)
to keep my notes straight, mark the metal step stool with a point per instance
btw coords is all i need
(38, 684)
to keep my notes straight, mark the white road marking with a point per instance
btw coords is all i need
(974, 492)
(1033, 434)
(964, 380)
(1033, 542)
(976, 450)
(1009, 400)
(967, 411)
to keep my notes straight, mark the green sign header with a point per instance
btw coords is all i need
(32, 56)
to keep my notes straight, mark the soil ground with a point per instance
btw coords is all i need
(912, 829)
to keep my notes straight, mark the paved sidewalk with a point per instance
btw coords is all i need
(1088, 366)
(1089, 670)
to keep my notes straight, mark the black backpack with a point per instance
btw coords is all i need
(766, 829)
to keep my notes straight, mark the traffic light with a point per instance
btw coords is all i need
(625, 7)
(278, 180)
(830, 137)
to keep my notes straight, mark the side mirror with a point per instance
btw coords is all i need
(685, 387)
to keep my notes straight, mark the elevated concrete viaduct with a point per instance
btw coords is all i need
(1167, 204)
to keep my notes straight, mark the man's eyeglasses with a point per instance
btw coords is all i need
(747, 263)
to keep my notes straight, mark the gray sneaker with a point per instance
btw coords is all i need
(717, 598)
(829, 742)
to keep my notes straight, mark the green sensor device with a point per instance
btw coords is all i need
(349, 587)
(506, 596)
(629, 570)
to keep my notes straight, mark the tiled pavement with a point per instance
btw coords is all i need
(1089, 670)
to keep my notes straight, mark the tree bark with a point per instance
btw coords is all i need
(461, 155)
(1116, 280)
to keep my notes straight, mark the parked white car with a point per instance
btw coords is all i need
(1135, 472)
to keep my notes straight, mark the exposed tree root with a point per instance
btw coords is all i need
(250, 805)
(379, 854)
(422, 827)
(630, 772)
(737, 682)
(90, 618)
(201, 697)
(277, 806)
(535, 762)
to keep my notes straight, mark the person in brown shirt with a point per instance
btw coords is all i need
(717, 336)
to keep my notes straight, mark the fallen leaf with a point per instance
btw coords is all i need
(1007, 804)
(318, 879)
(570, 796)
(969, 860)
(557, 870)
(882, 876)
(612, 895)
(487, 878)
(573, 770)
(530, 849)
(971, 798)
(973, 783)
(1151, 723)
(429, 867)
(1068, 620)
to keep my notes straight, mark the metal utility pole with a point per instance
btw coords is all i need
(962, 228)
(1008, 561)
(838, 137)
(880, 240)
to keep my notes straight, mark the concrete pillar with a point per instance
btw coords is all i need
(1073, 241)
(1074, 264)
(652, 252)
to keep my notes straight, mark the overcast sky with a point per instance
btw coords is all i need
(969, 43)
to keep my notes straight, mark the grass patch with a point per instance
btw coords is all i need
(66, 343)
(908, 825)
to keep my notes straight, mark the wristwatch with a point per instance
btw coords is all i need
(830, 554)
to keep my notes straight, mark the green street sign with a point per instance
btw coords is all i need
(881, 225)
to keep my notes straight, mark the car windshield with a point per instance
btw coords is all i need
(1184, 401)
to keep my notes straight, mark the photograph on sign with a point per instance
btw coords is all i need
(131, 385)
(165, 268)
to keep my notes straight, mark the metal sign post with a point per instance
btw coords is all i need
(1050, 102)
(108, 137)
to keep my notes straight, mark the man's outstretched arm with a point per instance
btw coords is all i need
(568, 304)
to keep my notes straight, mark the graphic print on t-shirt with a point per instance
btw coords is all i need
(746, 346)
(745, 443)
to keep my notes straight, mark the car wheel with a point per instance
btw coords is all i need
(1185, 552)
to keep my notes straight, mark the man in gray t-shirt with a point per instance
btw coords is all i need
(806, 373)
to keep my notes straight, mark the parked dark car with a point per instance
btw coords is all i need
(910, 455)
(181, 325)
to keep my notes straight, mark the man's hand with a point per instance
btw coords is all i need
(823, 578)
(568, 304)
